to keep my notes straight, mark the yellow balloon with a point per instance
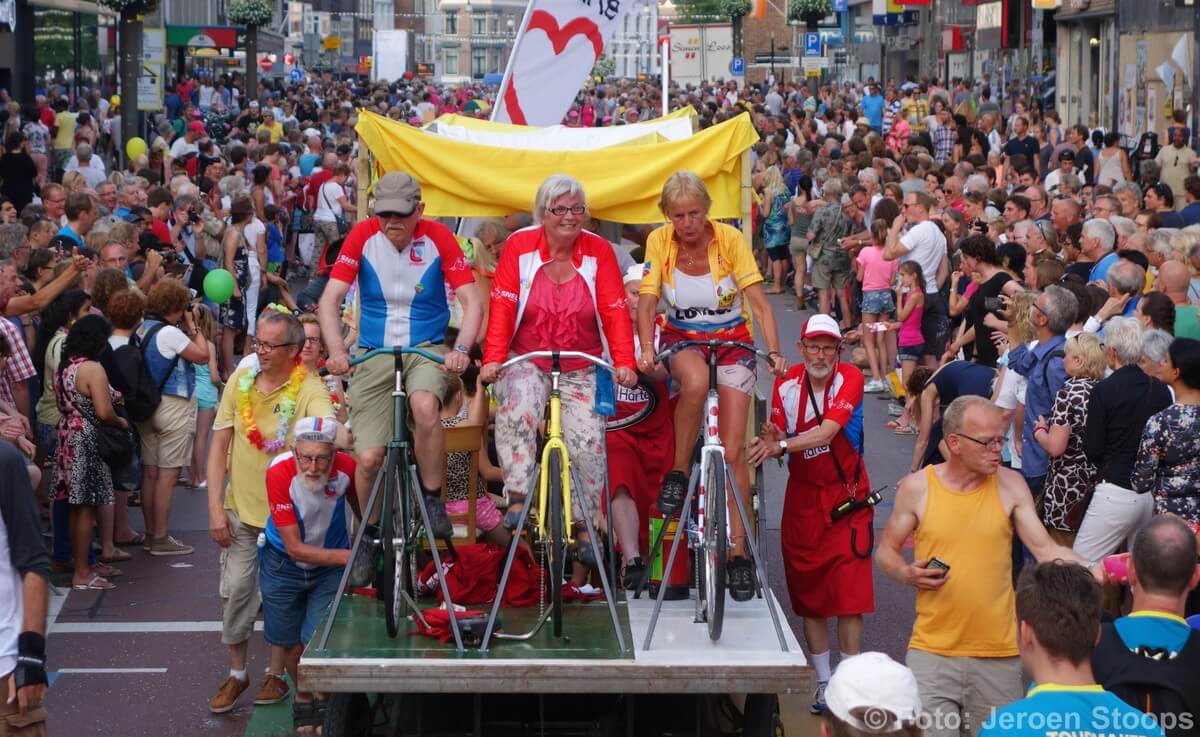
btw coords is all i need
(115, 100)
(135, 147)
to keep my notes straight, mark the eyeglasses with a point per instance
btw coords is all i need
(309, 340)
(989, 443)
(318, 461)
(261, 346)
(828, 350)
(392, 215)
(560, 211)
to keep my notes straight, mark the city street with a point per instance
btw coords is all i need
(144, 658)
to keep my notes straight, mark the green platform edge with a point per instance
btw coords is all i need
(360, 632)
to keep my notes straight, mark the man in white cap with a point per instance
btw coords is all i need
(403, 265)
(817, 421)
(306, 544)
(871, 694)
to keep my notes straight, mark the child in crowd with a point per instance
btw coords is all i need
(208, 393)
(876, 276)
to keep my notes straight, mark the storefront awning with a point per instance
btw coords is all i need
(206, 37)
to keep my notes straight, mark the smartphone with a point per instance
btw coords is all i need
(1117, 567)
(936, 564)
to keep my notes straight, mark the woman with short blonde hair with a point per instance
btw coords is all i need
(706, 273)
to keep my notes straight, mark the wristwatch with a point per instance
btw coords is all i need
(462, 349)
(783, 446)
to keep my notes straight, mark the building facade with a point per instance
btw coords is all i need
(476, 38)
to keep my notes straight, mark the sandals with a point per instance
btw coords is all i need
(672, 493)
(905, 430)
(581, 550)
(309, 713)
(95, 583)
(103, 569)
(138, 539)
(119, 557)
(741, 579)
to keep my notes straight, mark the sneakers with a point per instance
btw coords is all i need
(439, 521)
(168, 546)
(818, 703)
(273, 690)
(366, 559)
(741, 579)
(672, 493)
(895, 410)
(874, 386)
(227, 695)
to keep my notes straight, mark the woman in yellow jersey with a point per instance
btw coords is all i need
(705, 272)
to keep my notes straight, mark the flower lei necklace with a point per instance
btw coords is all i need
(287, 409)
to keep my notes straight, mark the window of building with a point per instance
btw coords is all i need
(451, 22)
(451, 62)
(478, 61)
(478, 24)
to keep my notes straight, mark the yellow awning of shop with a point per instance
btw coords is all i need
(622, 183)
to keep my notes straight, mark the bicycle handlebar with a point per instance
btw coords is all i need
(560, 355)
(396, 351)
(713, 345)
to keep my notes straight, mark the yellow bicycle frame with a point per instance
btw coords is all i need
(554, 442)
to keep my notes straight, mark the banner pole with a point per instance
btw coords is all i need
(508, 66)
(666, 73)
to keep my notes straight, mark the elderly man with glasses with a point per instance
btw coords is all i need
(963, 515)
(306, 546)
(817, 423)
(248, 434)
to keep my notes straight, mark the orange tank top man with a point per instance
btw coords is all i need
(962, 515)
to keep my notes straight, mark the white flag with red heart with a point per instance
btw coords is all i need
(559, 43)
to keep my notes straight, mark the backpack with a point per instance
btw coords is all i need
(132, 376)
(1152, 681)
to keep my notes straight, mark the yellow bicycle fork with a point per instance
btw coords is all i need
(555, 442)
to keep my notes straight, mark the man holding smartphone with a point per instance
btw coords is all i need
(962, 514)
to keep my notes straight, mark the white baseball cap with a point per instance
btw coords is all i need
(821, 324)
(873, 693)
(319, 429)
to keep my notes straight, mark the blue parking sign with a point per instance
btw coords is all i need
(737, 66)
(812, 44)
(296, 75)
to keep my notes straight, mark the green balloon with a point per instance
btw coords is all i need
(218, 286)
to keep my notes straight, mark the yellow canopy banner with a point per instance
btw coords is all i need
(622, 183)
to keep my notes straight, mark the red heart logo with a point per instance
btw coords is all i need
(559, 37)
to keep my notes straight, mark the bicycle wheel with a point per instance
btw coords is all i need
(647, 395)
(557, 541)
(395, 563)
(715, 543)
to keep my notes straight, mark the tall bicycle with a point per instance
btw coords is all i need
(404, 519)
(709, 532)
(553, 531)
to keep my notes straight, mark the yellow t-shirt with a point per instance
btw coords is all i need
(64, 138)
(732, 269)
(276, 130)
(247, 492)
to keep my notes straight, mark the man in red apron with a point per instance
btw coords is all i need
(817, 422)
